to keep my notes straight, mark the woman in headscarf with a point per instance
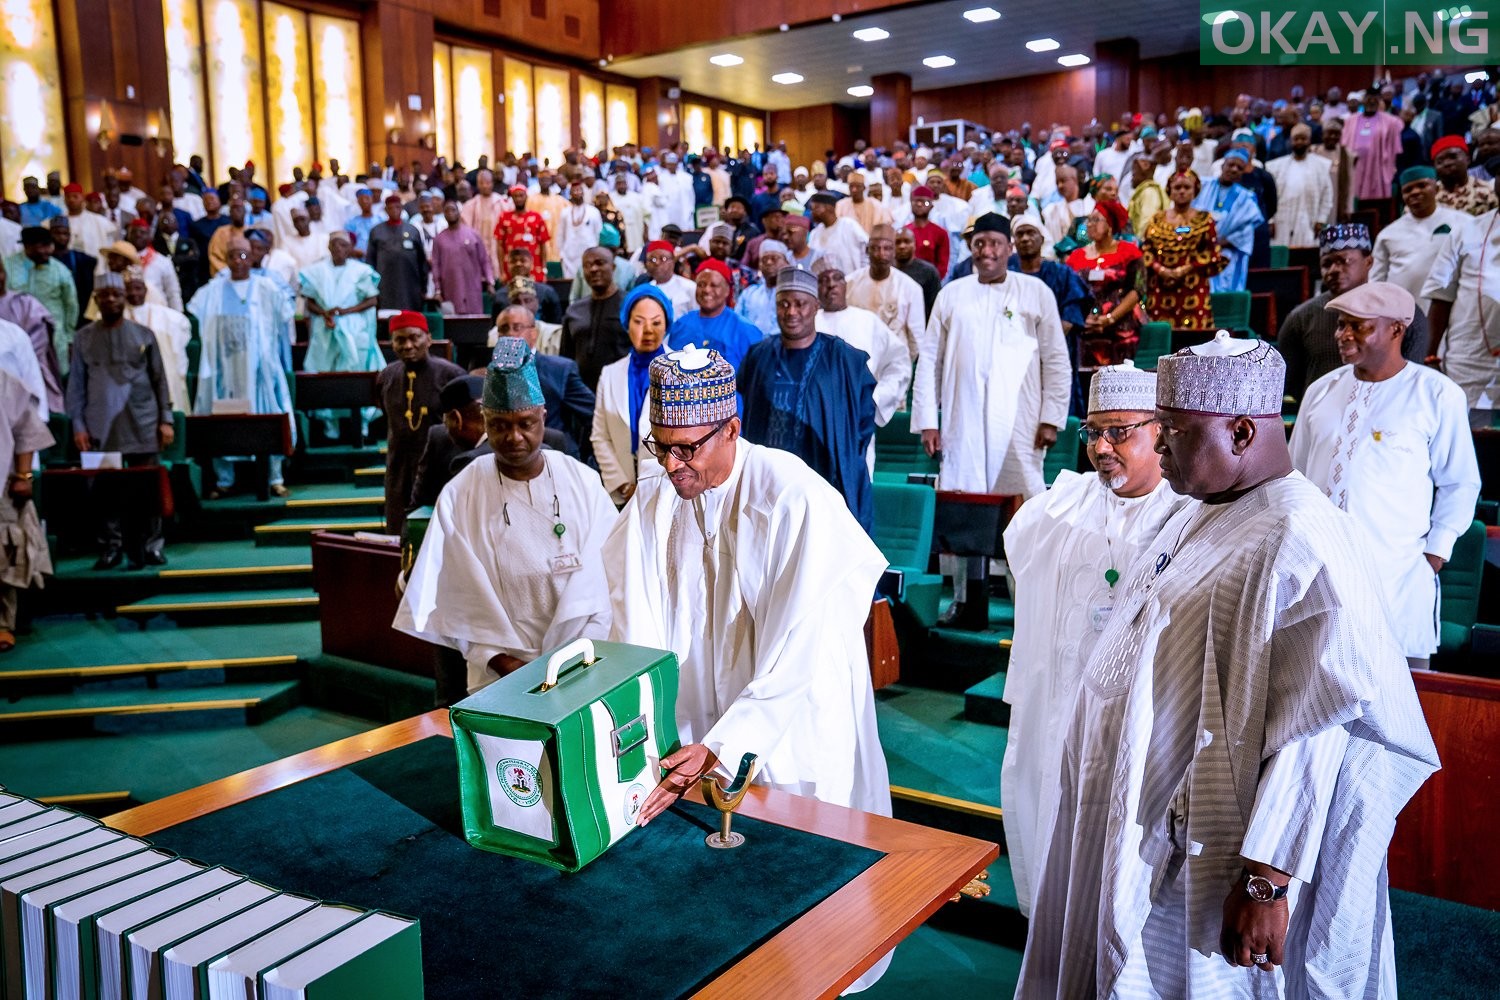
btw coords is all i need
(621, 416)
(1180, 251)
(1112, 269)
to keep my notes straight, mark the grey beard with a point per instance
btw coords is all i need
(1114, 482)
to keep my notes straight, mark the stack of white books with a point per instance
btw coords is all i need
(88, 913)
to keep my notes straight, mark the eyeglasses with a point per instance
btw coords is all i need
(682, 452)
(1114, 435)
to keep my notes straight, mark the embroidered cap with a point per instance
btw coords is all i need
(1236, 378)
(692, 388)
(1122, 387)
(1344, 236)
(511, 382)
(796, 279)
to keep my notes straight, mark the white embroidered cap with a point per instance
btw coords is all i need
(1229, 376)
(1122, 387)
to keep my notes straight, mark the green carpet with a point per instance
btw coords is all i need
(190, 555)
(78, 642)
(938, 965)
(155, 764)
(930, 747)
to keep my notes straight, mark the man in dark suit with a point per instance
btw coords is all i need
(452, 444)
(518, 262)
(78, 263)
(570, 403)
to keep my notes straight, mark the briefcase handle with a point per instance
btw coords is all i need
(557, 660)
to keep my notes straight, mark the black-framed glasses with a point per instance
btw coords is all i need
(682, 452)
(1114, 435)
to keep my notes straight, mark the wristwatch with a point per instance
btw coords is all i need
(1262, 889)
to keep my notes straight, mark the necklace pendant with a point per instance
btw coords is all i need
(559, 529)
(1111, 576)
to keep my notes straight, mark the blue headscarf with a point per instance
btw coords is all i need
(639, 370)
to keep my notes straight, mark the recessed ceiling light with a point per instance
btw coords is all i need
(1076, 59)
(1043, 44)
(979, 15)
(725, 59)
(787, 78)
(863, 90)
(872, 34)
(938, 62)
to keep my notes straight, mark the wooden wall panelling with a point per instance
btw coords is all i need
(890, 107)
(1116, 78)
(397, 42)
(115, 52)
(658, 117)
(809, 132)
(1066, 97)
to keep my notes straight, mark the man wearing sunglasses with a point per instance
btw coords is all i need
(750, 566)
(1068, 548)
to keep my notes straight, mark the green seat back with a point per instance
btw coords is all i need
(434, 325)
(1232, 310)
(1459, 585)
(898, 450)
(1156, 340)
(1280, 255)
(903, 523)
(1064, 454)
(177, 452)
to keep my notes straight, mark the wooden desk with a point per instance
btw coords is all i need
(356, 584)
(817, 955)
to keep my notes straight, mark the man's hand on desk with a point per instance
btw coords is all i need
(684, 768)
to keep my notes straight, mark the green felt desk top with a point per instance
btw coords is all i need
(658, 916)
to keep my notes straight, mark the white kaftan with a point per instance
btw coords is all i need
(1467, 269)
(761, 586)
(897, 301)
(1405, 249)
(18, 359)
(577, 231)
(1059, 546)
(995, 364)
(842, 244)
(1304, 196)
(173, 333)
(888, 360)
(493, 576)
(1245, 702)
(1399, 456)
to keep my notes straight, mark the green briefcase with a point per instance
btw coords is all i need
(556, 759)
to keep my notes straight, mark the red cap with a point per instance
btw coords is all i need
(284, 190)
(720, 268)
(1449, 142)
(93, 196)
(517, 189)
(72, 189)
(923, 191)
(249, 164)
(407, 319)
(660, 245)
(393, 198)
(317, 166)
(139, 224)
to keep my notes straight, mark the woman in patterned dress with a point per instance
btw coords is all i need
(1181, 253)
(1111, 268)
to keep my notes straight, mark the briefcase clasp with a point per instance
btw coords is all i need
(630, 735)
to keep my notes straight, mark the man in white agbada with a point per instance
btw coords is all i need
(676, 186)
(1463, 325)
(341, 295)
(995, 365)
(1245, 733)
(1405, 249)
(245, 322)
(511, 566)
(173, 334)
(749, 567)
(888, 360)
(888, 293)
(578, 230)
(1304, 192)
(1389, 442)
(1067, 549)
(840, 240)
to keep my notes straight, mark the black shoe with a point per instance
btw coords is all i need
(110, 559)
(133, 565)
(155, 559)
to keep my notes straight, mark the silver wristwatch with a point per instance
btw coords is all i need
(1262, 889)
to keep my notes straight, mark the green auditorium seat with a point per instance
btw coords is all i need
(899, 452)
(1459, 584)
(1156, 340)
(434, 325)
(1064, 454)
(1280, 255)
(903, 530)
(1232, 311)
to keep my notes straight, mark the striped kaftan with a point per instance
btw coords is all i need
(1245, 701)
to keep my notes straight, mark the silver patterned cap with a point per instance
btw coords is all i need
(1226, 376)
(1122, 387)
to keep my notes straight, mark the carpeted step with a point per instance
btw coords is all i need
(955, 659)
(368, 691)
(191, 566)
(154, 675)
(55, 716)
(76, 641)
(371, 475)
(223, 607)
(335, 463)
(353, 503)
(299, 530)
(985, 702)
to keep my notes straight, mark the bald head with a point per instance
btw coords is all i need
(517, 321)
